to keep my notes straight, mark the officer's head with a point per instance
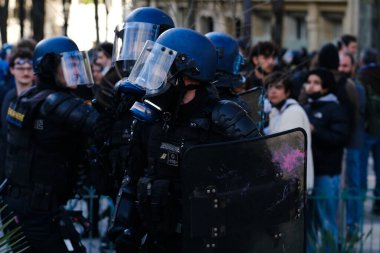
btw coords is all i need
(179, 61)
(142, 24)
(230, 61)
(177, 53)
(57, 62)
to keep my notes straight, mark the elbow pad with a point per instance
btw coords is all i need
(69, 111)
(233, 121)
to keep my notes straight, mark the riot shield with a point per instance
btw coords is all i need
(245, 196)
(253, 99)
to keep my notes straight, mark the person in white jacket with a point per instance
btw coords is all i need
(287, 114)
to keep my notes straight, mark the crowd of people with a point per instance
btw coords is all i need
(131, 120)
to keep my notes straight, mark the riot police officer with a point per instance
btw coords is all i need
(181, 108)
(142, 24)
(228, 80)
(47, 125)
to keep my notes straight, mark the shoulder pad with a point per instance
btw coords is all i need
(69, 111)
(53, 101)
(233, 121)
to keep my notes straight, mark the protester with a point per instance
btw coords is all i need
(329, 131)
(355, 176)
(287, 114)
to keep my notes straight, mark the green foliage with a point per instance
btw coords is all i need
(86, 1)
(328, 243)
(12, 240)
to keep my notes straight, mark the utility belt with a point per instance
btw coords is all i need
(158, 206)
(40, 197)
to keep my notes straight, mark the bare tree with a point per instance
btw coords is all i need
(278, 11)
(247, 10)
(38, 19)
(66, 11)
(3, 20)
(21, 16)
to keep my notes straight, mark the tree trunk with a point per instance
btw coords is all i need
(66, 11)
(247, 24)
(278, 11)
(3, 21)
(38, 19)
(190, 16)
(21, 16)
(96, 2)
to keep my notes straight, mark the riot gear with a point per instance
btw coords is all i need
(252, 201)
(61, 51)
(175, 73)
(142, 24)
(162, 65)
(47, 132)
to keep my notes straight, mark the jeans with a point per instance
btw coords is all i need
(322, 226)
(372, 143)
(356, 179)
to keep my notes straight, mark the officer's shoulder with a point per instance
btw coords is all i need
(232, 120)
(224, 109)
(55, 99)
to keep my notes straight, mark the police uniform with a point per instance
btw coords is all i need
(46, 138)
(156, 163)
(45, 143)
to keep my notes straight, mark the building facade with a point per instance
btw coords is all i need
(306, 23)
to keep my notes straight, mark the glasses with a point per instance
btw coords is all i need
(23, 61)
(21, 69)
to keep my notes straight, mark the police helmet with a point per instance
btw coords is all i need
(197, 57)
(142, 24)
(52, 52)
(57, 45)
(230, 60)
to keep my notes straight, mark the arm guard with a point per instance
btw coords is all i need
(233, 121)
(69, 111)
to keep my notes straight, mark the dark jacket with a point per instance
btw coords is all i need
(9, 97)
(330, 134)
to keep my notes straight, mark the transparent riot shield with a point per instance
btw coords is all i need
(254, 101)
(245, 196)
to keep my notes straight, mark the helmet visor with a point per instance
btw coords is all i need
(152, 68)
(130, 40)
(76, 68)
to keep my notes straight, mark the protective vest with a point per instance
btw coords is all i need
(44, 142)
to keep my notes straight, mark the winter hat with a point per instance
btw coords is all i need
(327, 78)
(329, 57)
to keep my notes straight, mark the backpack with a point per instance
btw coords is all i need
(372, 113)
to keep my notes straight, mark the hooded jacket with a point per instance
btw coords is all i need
(330, 134)
(292, 115)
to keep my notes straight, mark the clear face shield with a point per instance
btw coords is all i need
(76, 68)
(151, 69)
(130, 39)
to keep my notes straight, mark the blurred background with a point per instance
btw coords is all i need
(290, 24)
